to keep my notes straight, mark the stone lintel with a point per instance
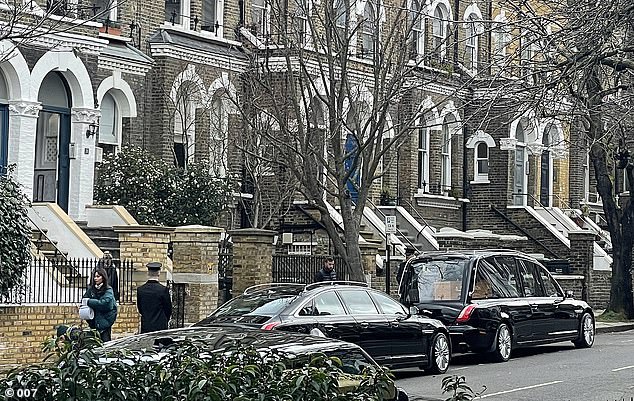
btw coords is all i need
(254, 234)
(195, 278)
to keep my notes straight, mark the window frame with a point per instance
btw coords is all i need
(423, 160)
(264, 29)
(440, 32)
(417, 18)
(368, 29)
(478, 175)
(471, 43)
(445, 158)
(183, 19)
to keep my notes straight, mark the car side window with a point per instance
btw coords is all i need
(494, 280)
(358, 302)
(507, 270)
(529, 279)
(550, 287)
(388, 305)
(328, 304)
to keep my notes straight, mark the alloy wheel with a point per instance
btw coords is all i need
(441, 353)
(588, 329)
(504, 342)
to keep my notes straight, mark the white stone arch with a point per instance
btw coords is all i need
(360, 7)
(223, 94)
(473, 9)
(16, 72)
(429, 109)
(446, 4)
(530, 125)
(74, 72)
(189, 75)
(224, 84)
(480, 136)
(122, 93)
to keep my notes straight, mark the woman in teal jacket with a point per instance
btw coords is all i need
(101, 300)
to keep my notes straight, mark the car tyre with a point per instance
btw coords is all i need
(586, 332)
(503, 343)
(439, 354)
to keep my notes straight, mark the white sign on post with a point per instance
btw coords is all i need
(390, 224)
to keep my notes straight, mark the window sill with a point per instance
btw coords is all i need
(481, 181)
(202, 34)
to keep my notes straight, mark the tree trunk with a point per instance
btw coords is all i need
(621, 299)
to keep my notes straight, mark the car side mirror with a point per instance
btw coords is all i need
(569, 294)
(413, 310)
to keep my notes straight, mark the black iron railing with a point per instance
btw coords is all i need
(53, 281)
(302, 268)
(178, 292)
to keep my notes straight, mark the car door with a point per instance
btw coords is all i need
(405, 331)
(509, 299)
(542, 308)
(372, 327)
(565, 323)
(332, 319)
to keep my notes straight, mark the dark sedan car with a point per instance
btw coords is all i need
(346, 311)
(296, 348)
(495, 300)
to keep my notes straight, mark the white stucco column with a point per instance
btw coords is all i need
(82, 167)
(22, 129)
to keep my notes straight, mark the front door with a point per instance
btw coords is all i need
(52, 157)
(544, 193)
(519, 176)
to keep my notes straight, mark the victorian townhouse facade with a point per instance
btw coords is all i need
(170, 77)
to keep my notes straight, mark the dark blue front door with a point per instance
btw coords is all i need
(52, 157)
(351, 149)
(4, 136)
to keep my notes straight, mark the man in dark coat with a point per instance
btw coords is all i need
(153, 301)
(327, 273)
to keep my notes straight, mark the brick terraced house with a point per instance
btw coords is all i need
(180, 79)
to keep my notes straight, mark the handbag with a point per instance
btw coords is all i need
(86, 312)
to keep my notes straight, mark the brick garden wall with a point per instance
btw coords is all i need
(25, 328)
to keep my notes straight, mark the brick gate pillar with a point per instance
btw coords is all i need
(252, 257)
(195, 262)
(144, 244)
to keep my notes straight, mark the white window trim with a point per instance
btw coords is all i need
(224, 124)
(220, 32)
(420, 30)
(266, 28)
(445, 160)
(479, 177)
(185, 16)
(425, 164)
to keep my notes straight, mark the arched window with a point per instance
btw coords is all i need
(109, 124)
(440, 32)
(4, 123)
(423, 159)
(185, 124)
(519, 174)
(481, 162)
(368, 30)
(417, 22)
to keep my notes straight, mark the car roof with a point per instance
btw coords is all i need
(223, 335)
(291, 289)
(472, 253)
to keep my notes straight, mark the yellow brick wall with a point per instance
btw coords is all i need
(23, 329)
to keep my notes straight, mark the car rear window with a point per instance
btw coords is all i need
(437, 279)
(264, 304)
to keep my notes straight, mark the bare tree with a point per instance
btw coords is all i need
(573, 61)
(334, 82)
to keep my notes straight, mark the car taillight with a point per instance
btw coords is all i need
(465, 314)
(269, 326)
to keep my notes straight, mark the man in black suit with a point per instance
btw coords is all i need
(153, 301)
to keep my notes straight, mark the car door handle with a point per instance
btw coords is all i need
(534, 307)
(365, 325)
(394, 323)
(329, 327)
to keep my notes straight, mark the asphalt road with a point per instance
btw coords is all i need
(556, 372)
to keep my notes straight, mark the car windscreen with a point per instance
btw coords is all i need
(253, 308)
(437, 279)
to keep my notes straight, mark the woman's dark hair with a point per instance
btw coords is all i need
(102, 272)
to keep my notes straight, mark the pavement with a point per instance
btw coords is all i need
(611, 327)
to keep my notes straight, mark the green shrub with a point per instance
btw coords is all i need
(155, 192)
(15, 235)
(239, 374)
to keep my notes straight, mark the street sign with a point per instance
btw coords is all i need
(390, 224)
